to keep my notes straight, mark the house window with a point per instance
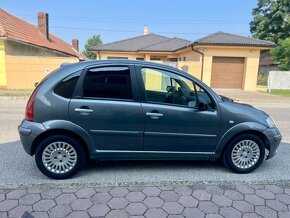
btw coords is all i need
(117, 57)
(172, 59)
(156, 58)
(179, 59)
(184, 58)
(140, 59)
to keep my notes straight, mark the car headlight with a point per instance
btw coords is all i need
(270, 122)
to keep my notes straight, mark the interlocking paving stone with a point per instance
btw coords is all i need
(98, 210)
(81, 204)
(151, 191)
(8, 205)
(135, 188)
(118, 203)
(119, 192)
(85, 193)
(276, 205)
(244, 189)
(3, 215)
(172, 208)
(69, 190)
(175, 216)
(284, 214)
(103, 189)
(16, 194)
(189, 212)
(274, 189)
(265, 211)
(208, 207)
(155, 213)
(65, 198)
(117, 213)
(254, 199)
(243, 206)
(136, 209)
(2, 197)
(230, 212)
(213, 216)
(51, 193)
(39, 214)
(201, 195)
(101, 198)
(169, 196)
(19, 210)
(166, 188)
(183, 190)
(135, 196)
(78, 214)
(34, 190)
(251, 215)
(234, 195)
(222, 200)
(283, 198)
(214, 190)
(44, 205)
(188, 201)
(257, 186)
(29, 199)
(265, 194)
(153, 202)
(59, 211)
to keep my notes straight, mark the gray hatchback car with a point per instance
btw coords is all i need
(125, 110)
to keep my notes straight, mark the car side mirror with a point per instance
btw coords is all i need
(201, 104)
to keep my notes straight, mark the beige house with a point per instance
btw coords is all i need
(28, 53)
(221, 60)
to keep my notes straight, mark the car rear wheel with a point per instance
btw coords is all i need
(244, 153)
(59, 157)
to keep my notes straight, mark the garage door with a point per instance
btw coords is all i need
(227, 72)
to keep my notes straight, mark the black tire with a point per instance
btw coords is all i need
(227, 154)
(60, 138)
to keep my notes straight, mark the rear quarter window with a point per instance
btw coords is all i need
(66, 87)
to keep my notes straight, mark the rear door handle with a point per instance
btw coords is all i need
(154, 116)
(84, 110)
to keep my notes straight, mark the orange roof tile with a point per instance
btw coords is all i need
(14, 28)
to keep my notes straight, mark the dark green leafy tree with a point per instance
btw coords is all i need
(92, 41)
(271, 20)
(281, 53)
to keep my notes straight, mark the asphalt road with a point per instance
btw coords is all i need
(17, 168)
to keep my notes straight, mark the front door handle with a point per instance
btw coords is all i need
(84, 110)
(154, 115)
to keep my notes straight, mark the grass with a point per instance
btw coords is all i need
(280, 92)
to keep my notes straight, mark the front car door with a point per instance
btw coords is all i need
(107, 106)
(172, 121)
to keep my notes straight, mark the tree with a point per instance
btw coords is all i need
(92, 41)
(271, 20)
(281, 54)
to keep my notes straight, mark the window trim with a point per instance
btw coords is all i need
(142, 88)
(79, 86)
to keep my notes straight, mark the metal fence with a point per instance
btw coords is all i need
(279, 80)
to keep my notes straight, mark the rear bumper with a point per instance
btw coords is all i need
(28, 132)
(274, 138)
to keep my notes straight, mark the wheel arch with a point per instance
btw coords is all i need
(238, 130)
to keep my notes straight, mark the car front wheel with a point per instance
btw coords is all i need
(244, 153)
(59, 157)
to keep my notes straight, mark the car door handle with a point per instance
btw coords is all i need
(84, 110)
(154, 115)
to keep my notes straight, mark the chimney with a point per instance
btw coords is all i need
(75, 44)
(145, 30)
(43, 23)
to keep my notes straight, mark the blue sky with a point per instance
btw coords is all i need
(116, 20)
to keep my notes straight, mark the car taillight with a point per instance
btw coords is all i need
(30, 106)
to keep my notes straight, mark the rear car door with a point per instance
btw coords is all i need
(172, 121)
(106, 105)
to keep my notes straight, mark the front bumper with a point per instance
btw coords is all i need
(274, 137)
(28, 132)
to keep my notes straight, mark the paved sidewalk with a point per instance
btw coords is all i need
(198, 200)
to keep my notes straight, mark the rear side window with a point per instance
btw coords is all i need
(67, 86)
(108, 82)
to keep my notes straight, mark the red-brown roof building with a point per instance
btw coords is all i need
(29, 52)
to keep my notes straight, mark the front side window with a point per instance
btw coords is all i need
(108, 82)
(165, 87)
